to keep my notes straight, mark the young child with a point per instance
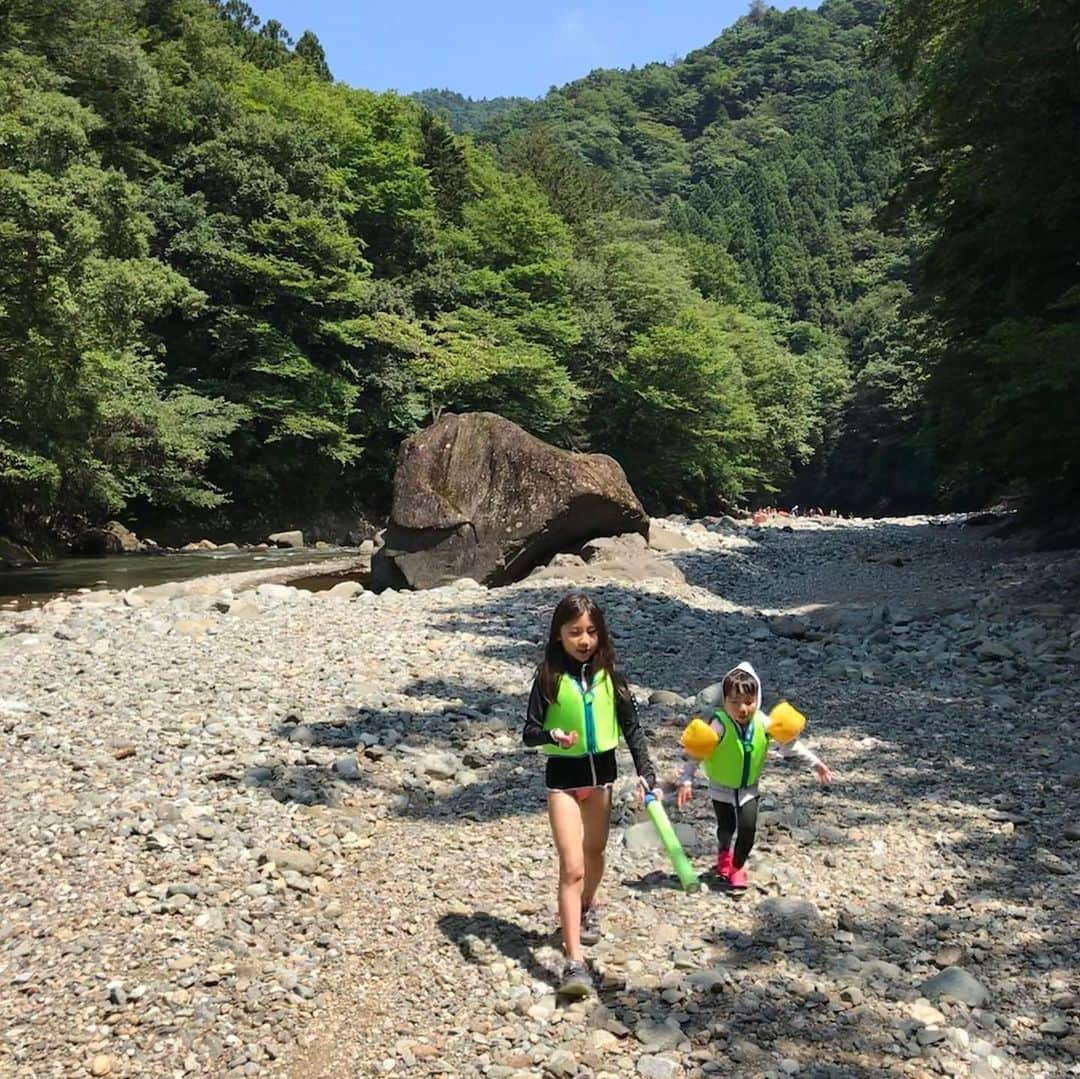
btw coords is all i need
(733, 769)
(578, 707)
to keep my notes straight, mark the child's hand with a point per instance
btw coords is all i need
(642, 790)
(686, 792)
(565, 739)
(824, 772)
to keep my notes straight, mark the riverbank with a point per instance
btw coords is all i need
(35, 584)
(273, 832)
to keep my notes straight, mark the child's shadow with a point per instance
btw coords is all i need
(655, 881)
(468, 930)
(659, 881)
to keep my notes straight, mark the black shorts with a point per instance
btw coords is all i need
(573, 773)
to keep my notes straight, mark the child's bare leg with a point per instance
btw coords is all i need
(566, 827)
(596, 819)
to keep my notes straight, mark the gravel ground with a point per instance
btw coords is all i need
(271, 832)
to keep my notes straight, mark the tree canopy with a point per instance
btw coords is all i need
(813, 258)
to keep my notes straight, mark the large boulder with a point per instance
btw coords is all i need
(476, 496)
(295, 538)
(110, 538)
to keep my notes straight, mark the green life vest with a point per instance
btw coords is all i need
(590, 712)
(739, 756)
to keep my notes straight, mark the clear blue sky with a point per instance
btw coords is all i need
(488, 48)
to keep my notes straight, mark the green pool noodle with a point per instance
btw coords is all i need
(658, 815)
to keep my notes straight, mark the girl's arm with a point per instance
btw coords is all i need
(630, 725)
(533, 733)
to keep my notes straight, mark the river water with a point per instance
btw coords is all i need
(30, 584)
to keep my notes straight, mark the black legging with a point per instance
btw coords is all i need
(742, 825)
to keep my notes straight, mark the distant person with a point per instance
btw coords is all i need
(733, 768)
(578, 707)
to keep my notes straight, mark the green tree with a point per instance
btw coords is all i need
(87, 421)
(995, 178)
(310, 50)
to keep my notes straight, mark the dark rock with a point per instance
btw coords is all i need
(112, 538)
(792, 626)
(790, 911)
(476, 496)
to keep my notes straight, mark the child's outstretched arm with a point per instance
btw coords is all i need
(796, 748)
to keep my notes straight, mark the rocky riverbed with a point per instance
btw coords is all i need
(272, 832)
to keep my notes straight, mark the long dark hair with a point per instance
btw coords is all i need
(556, 662)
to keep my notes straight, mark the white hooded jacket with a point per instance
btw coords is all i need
(710, 700)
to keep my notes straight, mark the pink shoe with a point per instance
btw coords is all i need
(737, 879)
(724, 865)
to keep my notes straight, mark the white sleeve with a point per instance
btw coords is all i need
(795, 748)
(801, 750)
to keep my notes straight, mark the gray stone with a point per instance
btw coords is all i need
(1057, 1026)
(664, 538)
(667, 698)
(296, 860)
(347, 768)
(477, 496)
(606, 548)
(654, 1067)
(277, 593)
(954, 983)
(439, 765)
(561, 1065)
(791, 626)
(294, 538)
(790, 911)
(922, 1011)
(658, 1036)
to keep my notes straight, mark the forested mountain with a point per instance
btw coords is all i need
(465, 115)
(912, 193)
(231, 285)
(767, 157)
(228, 281)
